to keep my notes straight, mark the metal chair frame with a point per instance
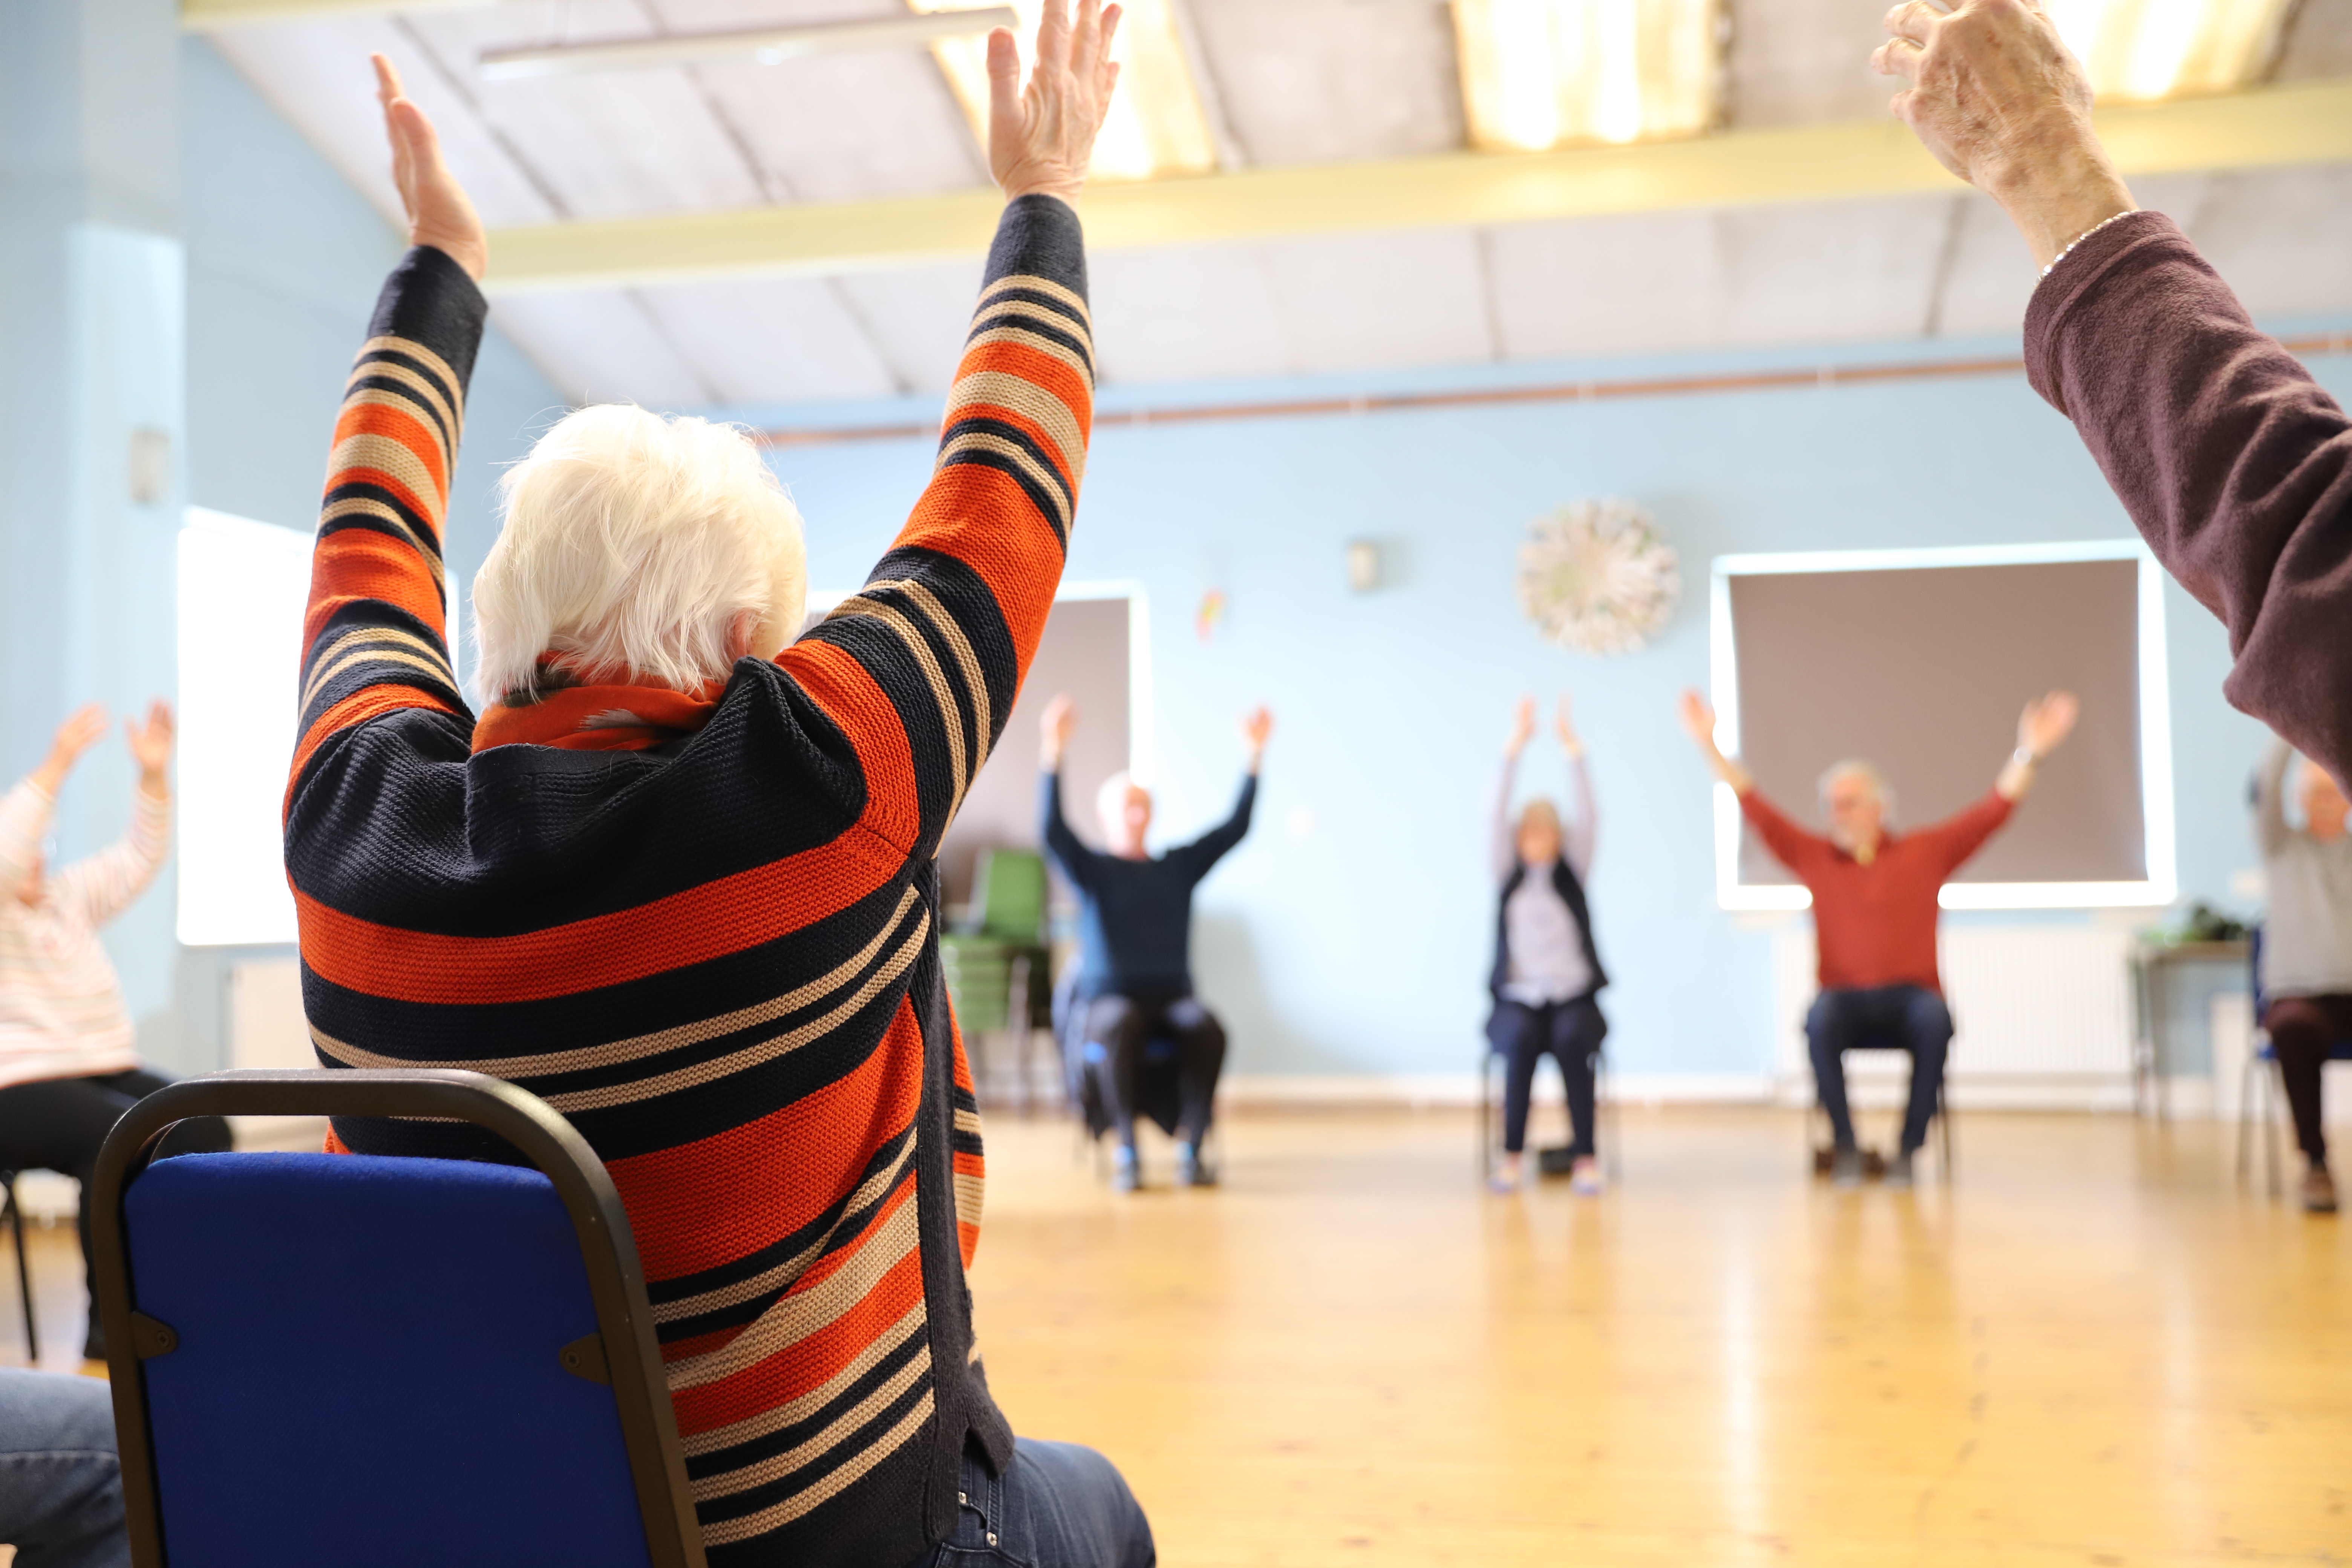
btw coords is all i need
(616, 1284)
(13, 1211)
(2268, 1087)
(1939, 1125)
(1605, 1116)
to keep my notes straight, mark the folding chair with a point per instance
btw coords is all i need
(1939, 1124)
(379, 1362)
(1605, 1120)
(2262, 1085)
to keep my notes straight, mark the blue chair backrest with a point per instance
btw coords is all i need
(367, 1368)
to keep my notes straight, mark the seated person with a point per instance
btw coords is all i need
(60, 1480)
(69, 1062)
(1547, 976)
(1135, 938)
(681, 879)
(2306, 945)
(1874, 913)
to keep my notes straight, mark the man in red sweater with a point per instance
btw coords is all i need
(1875, 912)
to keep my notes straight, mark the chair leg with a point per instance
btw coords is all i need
(2249, 1079)
(1484, 1161)
(14, 1214)
(1944, 1135)
(1613, 1162)
(2274, 1094)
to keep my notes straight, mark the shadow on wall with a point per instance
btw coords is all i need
(1260, 1036)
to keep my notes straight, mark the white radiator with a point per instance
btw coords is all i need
(2042, 1016)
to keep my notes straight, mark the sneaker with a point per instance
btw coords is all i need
(1845, 1168)
(1898, 1171)
(1504, 1179)
(1584, 1178)
(1191, 1170)
(2318, 1191)
(1126, 1171)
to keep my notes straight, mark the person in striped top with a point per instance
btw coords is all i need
(679, 879)
(70, 1061)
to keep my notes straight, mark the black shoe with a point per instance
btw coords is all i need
(1126, 1170)
(1898, 1171)
(1845, 1168)
(1191, 1170)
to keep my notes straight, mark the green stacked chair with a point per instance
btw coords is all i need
(997, 964)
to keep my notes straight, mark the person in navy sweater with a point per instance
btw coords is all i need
(1135, 930)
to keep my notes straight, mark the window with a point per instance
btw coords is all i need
(241, 593)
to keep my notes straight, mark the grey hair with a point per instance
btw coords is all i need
(1857, 768)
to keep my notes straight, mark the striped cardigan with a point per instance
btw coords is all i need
(61, 1009)
(718, 959)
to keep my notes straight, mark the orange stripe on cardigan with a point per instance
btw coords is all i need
(1041, 370)
(807, 1364)
(798, 1159)
(982, 517)
(855, 703)
(403, 426)
(356, 566)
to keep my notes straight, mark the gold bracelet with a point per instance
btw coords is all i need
(2087, 233)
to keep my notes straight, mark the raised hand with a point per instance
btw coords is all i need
(1994, 94)
(1523, 727)
(440, 214)
(1054, 727)
(150, 745)
(75, 736)
(1565, 723)
(1040, 141)
(2047, 721)
(1256, 725)
(1699, 720)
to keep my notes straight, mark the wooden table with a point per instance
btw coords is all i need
(2152, 1020)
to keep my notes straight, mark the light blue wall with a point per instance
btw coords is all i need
(1362, 945)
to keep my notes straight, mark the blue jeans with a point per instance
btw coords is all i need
(1058, 1505)
(1893, 1017)
(60, 1486)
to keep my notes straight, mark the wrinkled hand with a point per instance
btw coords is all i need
(439, 212)
(150, 744)
(1699, 720)
(1041, 140)
(1256, 725)
(1994, 94)
(1565, 723)
(2047, 721)
(1523, 727)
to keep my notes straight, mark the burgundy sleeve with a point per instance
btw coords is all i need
(1961, 834)
(1790, 845)
(2235, 465)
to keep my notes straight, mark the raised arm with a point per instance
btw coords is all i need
(2235, 464)
(1580, 834)
(26, 810)
(375, 640)
(949, 619)
(1698, 721)
(1061, 716)
(1219, 841)
(2270, 831)
(2042, 728)
(1504, 848)
(102, 886)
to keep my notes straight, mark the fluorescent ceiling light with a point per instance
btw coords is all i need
(2154, 49)
(1157, 124)
(767, 45)
(1546, 73)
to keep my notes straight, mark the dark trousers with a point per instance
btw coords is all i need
(2302, 1030)
(1125, 1027)
(1902, 1018)
(1058, 1505)
(59, 1124)
(1570, 1033)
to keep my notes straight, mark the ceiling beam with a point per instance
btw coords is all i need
(2303, 123)
(211, 16)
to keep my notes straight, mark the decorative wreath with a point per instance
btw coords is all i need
(1598, 577)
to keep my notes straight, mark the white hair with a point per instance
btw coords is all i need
(1110, 803)
(631, 545)
(1854, 767)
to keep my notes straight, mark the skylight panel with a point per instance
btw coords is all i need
(1157, 125)
(2144, 49)
(1549, 73)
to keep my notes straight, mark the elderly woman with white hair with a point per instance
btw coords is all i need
(1135, 942)
(1874, 913)
(679, 879)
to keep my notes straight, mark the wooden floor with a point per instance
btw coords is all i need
(2090, 1349)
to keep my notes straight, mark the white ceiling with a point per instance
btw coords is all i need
(1289, 82)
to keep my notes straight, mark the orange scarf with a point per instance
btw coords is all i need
(609, 718)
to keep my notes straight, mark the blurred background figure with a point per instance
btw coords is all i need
(1874, 913)
(1548, 977)
(1135, 937)
(2307, 944)
(70, 1061)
